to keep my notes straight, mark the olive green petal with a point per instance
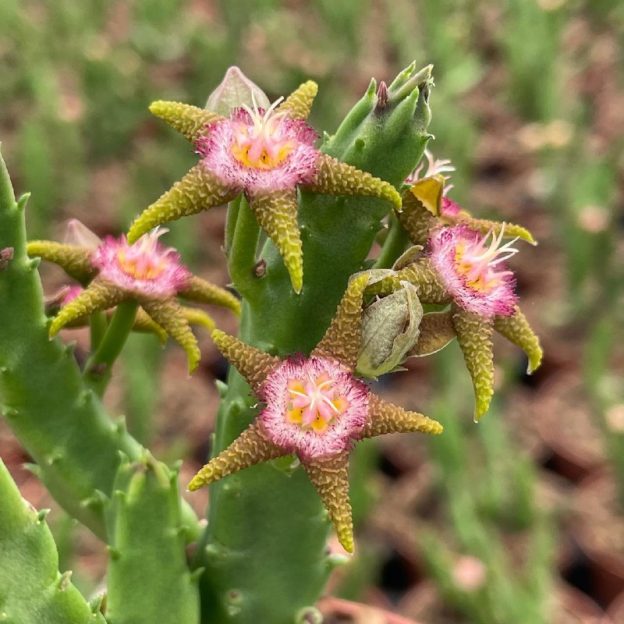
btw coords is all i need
(421, 275)
(517, 330)
(484, 226)
(254, 365)
(190, 121)
(144, 324)
(277, 215)
(169, 315)
(415, 219)
(250, 448)
(299, 103)
(198, 317)
(198, 190)
(99, 295)
(386, 418)
(201, 291)
(73, 259)
(436, 331)
(330, 478)
(474, 335)
(337, 178)
(343, 338)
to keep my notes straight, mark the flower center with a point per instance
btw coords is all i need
(142, 261)
(476, 260)
(314, 402)
(262, 143)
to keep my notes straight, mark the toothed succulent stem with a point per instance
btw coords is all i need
(31, 587)
(270, 513)
(148, 579)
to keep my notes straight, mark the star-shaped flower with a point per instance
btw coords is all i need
(264, 154)
(313, 407)
(114, 271)
(467, 270)
(426, 207)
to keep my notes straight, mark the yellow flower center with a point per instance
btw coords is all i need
(261, 144)
(314, 403)
(476, 261)
(140, 267)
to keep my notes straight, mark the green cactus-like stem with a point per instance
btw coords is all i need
(148, 579)
(31, 587)
(265, 543)
(53, 413)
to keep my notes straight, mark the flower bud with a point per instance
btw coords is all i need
(390, 328)
(235, 91)
(77, 233)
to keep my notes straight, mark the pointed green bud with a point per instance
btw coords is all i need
(236, 90)
(389, 330)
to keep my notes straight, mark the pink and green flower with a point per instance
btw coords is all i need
(113, 271)
(313, 407)
(266, 155)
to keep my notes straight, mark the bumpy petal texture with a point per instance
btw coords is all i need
(198, 317)
(198, 190)
(143, 323)
(474, 335)
(188, 120)
(436, 331)
(170, 316)
(250, 448)
(201, 291)
(333, 177)
(315, 407)
(254, 365)
(471, 268)
(389, 418)
(330, 478)
(260, 151)
(299, 103)
(517, 330)
(143, 269)
(484, 226)
(99, 295)
(277, 215)
(73, 259)
(343, 338)
(422, 276)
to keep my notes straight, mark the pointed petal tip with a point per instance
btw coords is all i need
(196, 483)
(346, 541)
(311, 86)
(480, 412)
(157, 107)
(294, 266)
(535, 361)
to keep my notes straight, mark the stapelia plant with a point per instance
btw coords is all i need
(315, 320)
